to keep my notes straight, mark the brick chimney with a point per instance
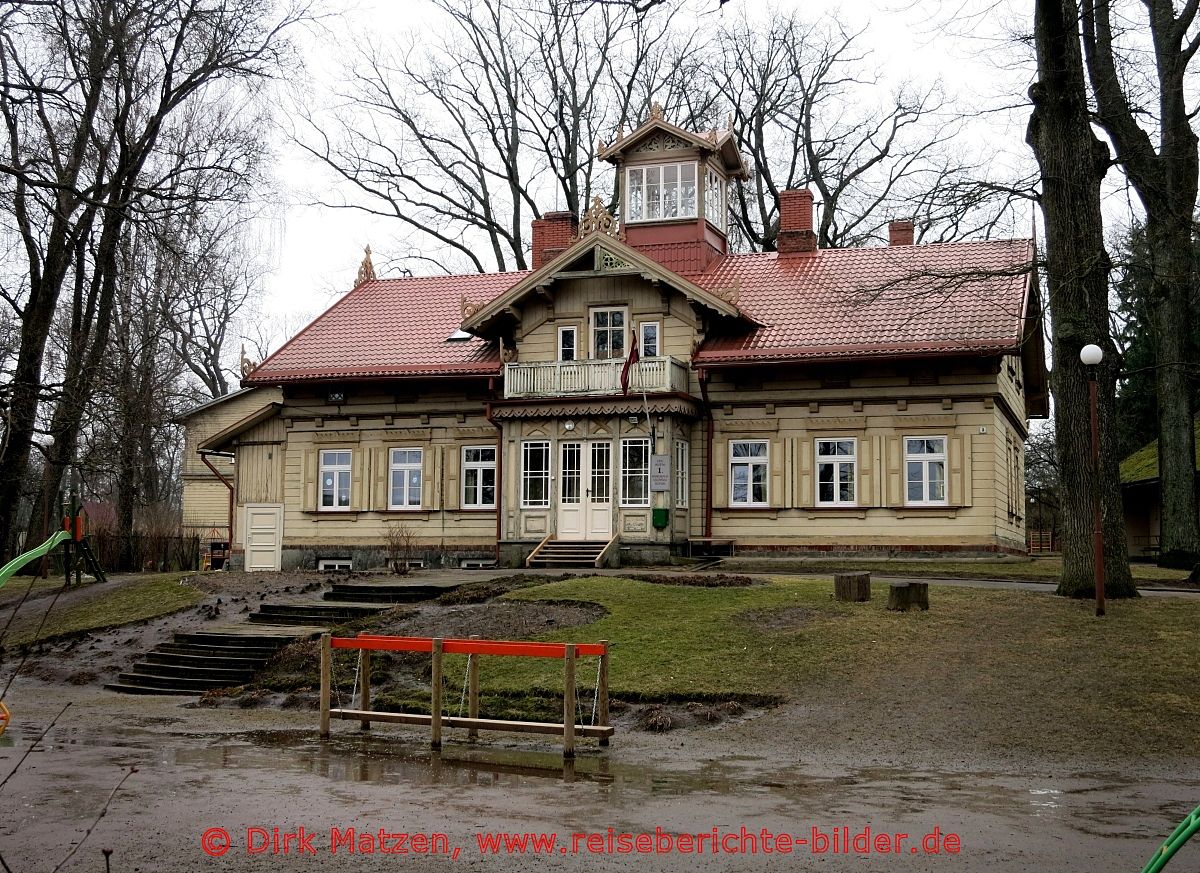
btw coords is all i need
(796, 235)
(900, 233)
(553, 234)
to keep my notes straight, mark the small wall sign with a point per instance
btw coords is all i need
(660, 472)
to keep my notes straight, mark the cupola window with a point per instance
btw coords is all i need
(661, 192)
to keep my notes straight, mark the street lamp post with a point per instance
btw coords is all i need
(1091, 355)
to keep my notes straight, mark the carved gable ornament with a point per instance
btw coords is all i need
(598, 220)
(660, 142)
(607, 262)
(366, 270)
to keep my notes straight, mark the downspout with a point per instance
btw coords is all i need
(708, 454)
(499, 472)
(203, 453)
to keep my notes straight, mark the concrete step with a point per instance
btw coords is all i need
(218, 638)
(219, 652)
(123, 688)
(223, 662)
(181, 683)
(383, 593)
(338, 610)
(322, 620)
(217, 676)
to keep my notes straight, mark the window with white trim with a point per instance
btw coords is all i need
(648, 345)
(608, 333)
(925, 471)
(404, 467)
(661, 191)
(567, 343)
(635, 472)
(335, 479)
(714, 199)
(479, 477)
(837, 472)
(535, 474)
(748, 473)
(681, 474)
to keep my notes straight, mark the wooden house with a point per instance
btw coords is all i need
(805, 400)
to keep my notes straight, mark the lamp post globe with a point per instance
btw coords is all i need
(1091, 354)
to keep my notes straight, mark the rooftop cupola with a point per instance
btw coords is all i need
(673, 191)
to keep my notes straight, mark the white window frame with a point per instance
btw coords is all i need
(329, 565)
(573, 330)
(750, 462)
(925, 459)
(480, 467)
(542, 475)
(682, 484)
(837, 462)
(338, 471)
(628, 473)
(716, 210)
(642, 325)
(405, 467)
(641, 173)
(624, 310)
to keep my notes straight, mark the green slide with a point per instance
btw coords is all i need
(1187, 828)
(10, 569)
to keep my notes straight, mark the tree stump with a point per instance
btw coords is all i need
(905, 596)
(852, 587)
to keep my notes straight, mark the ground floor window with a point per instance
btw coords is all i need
(406, 479)
(837, 463)
(635, 472)
(335, 479)
(681, 474)
(535, 474)
(748, 473)
(925, 470)
(479, 477)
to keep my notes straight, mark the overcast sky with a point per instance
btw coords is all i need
(316, 251)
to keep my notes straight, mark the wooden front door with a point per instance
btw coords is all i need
(585, 490)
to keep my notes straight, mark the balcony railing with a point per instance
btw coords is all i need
(582, 378)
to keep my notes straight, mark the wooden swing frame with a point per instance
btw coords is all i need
(474, 647)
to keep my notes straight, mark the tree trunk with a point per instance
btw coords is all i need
(1073, 162)
(1171, 312)
(907, 596)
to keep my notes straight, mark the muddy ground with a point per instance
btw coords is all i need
(827, 760)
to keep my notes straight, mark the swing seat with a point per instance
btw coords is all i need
(494, 724)
(5, 718)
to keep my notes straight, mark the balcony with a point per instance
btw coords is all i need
(593, 378)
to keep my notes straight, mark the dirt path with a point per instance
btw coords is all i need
(201, 769)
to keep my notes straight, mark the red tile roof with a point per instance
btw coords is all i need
(952, 298)
(875, 302)
(391, 327)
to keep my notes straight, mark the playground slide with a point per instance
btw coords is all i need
(10, 569)
(1186, 829)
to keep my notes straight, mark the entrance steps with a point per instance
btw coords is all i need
(568, 554)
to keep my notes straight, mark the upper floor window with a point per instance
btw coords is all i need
(748, 473)
(567, 343)
(405, 479)
(837, 469)
(714, 199)
(661, 191)
(335, 480)
(648, 339)
(608, 333)
(925, 469)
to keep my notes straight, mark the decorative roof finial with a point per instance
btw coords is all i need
(656, 111)
(247, 363)
(729, 120)
(366, 270)
(598, 220)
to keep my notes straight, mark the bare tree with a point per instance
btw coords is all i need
(464, 140)
(1147, 115)
(91, 94)
(1073, 163)
(809, 110)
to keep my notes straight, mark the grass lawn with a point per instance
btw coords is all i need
(15, 588)
(1036, 570)
(141, 599)
(1027, 665)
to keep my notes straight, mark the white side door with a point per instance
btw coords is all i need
(598, 495)
(571, 507)
(263, 536)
